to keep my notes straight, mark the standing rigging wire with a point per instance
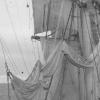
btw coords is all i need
(19, 46)
(72, 19)
(67, 22)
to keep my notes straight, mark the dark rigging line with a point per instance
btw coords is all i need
(16, 36)
(67, 22)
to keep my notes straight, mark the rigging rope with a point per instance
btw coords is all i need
(72, 19)
(19, 46)
(67, 22)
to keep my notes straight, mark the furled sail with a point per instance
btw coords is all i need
(50, 14)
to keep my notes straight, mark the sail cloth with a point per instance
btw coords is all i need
(48, 46)
(46, 15)
(31, 90)
(34, 76)
(55, 80)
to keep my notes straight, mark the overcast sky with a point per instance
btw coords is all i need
(16, 27)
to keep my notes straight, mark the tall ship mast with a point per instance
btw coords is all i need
(71, 52)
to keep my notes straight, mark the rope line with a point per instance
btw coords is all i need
(72, 19)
